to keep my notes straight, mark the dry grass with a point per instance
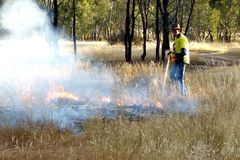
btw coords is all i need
(101, 51)
(212, 133)
(35, 141)
(212, 47)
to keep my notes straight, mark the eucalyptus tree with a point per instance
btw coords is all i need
(114, 21)
(144, 8)
(74, 26)
(205, 22)
(157, 30)
(129, 28)
(192, 3)
(103, 18)
(52, 7)
(164, 6)
(229, 14)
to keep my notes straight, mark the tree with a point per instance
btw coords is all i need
(144, 6)
(165, 17)
(157, 31)
(74, 26)
(129, 29)
(52, 7)
(55, 13)
(205, 21)
(189, 16)
(115, 22)
(178, 5)
(229, 12)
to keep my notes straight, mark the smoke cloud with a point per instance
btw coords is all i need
(32, 63)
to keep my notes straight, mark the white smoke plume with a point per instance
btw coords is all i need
(29, 47)
(32, 63)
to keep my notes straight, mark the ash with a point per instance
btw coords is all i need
(85, 109)
(69, 114)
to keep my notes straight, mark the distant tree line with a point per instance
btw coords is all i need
(139, 21)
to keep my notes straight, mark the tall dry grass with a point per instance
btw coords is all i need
(212, 133)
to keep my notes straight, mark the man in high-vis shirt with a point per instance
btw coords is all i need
(179, 58)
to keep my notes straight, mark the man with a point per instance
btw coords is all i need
(179, 58)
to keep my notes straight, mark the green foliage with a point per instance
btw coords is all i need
(105, 19)
(85, 16)
(205, 19)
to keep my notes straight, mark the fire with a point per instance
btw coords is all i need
(105, 99)
(60, 93)
(159, 104)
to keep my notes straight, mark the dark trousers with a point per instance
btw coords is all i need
(177, 73)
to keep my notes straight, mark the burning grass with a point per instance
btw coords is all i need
(212, 133)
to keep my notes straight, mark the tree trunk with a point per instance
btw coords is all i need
(164, 12)
(129, 30)
(209, 35)
(176, 11)
(74, 26)
(143, 7)
(182, 13)
(157, 31)
(55, 14)
(189, 18)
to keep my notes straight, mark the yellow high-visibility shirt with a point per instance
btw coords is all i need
(182, 42)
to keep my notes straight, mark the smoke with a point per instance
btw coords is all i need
(28, 50)
(24, 18)
(30, 59)
(32, 63)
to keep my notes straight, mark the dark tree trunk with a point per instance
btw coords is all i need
(164, 13)
(74, 26)
(189, 17)
(133, 22)
(55, 14)
(127, 32)
(129, 29)
(182, 13)
(143, 7)
(209, 35)
(176, 11)
(157, 31)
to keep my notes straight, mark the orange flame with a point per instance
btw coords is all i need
(159, 104)
(59, 92)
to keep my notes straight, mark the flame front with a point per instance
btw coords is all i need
(60, 93)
